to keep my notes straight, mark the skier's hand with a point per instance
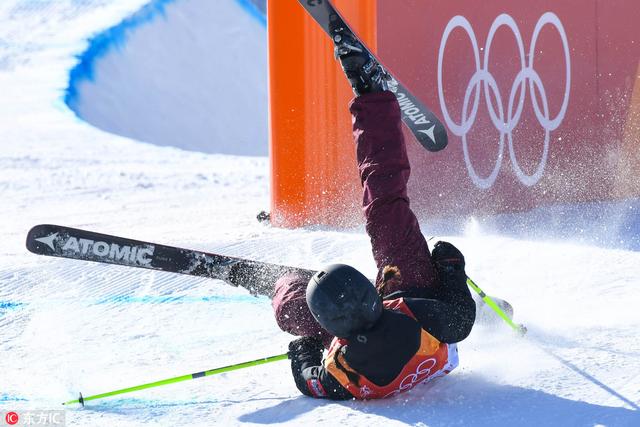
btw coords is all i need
(305, 345)
(447, 258)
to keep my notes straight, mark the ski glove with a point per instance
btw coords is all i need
(453, 290)
(447, 258)
(305, 345)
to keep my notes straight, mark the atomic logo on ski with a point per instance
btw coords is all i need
(90, 249)
(429, 133)
(48, 240)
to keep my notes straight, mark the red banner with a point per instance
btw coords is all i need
(537, 96)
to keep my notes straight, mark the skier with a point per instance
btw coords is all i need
(387, 338)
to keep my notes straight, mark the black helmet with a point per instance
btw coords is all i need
(343, 300)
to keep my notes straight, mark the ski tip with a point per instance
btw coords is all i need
(434, 139)
(81, 400)
(41, 227)
(37, 231)
(31, 236)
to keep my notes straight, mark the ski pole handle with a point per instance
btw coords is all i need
(193, 376)
(519, 328)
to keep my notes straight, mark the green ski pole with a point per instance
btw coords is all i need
(519, 328)
(193, 376)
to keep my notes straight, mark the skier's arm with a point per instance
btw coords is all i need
(450, 316)
(310, 376)
(447, 322)
(384, 169)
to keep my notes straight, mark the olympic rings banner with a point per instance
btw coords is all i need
(541, 100)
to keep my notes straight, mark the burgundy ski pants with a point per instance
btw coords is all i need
(395, 235)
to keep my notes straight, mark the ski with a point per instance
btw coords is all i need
(255, 276)
(65, 242)
(425, 126)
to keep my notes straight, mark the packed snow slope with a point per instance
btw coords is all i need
(188, 73)
(70, 326)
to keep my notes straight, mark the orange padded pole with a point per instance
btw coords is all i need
(313, 169)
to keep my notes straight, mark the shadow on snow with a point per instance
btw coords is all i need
(465, 401)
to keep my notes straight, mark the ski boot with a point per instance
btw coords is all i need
(365, 74)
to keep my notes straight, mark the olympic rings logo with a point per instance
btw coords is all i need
(505, 123)
(423, 371)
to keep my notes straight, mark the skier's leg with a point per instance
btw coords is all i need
(384, 169)
(291, 310)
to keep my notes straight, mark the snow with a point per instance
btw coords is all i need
(69, 326)
(137, 79)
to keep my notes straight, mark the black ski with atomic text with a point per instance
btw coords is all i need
(425, 126)
(255, 276)
(65, 242)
